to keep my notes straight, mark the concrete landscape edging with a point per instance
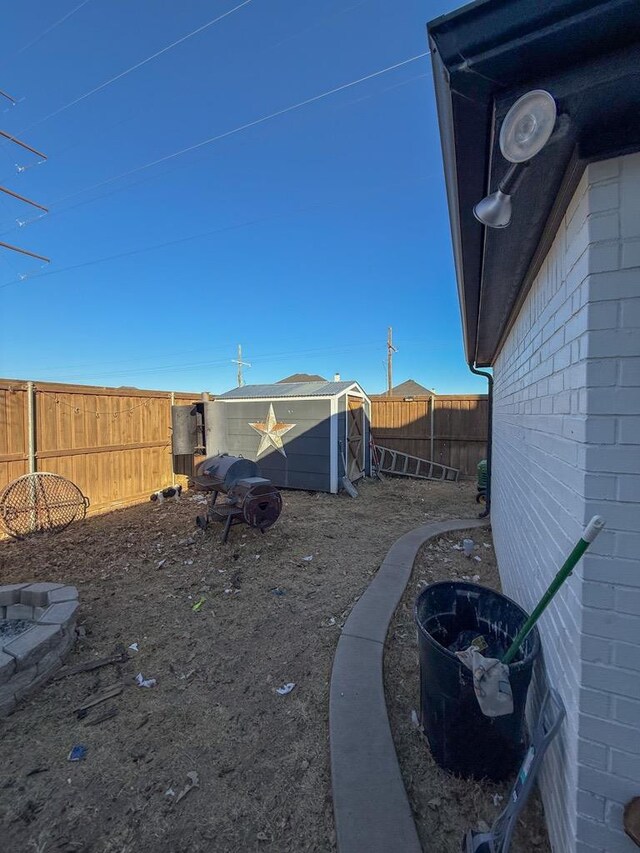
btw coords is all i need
(370, 804)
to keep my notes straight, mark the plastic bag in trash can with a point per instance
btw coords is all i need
(490, 682)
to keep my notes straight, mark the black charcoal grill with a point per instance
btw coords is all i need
(249, 498)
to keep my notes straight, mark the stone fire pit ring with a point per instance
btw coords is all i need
(37, 630)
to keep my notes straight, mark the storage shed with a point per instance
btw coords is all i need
(302, 434)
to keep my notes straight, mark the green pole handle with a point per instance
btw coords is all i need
(588, 535)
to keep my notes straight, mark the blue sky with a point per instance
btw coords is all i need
(302, 238)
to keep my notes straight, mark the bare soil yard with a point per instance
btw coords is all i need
(261, 758)
(445, 806)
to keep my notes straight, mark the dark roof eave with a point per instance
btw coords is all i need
(469, 169)
(447, 141)
(517, 42)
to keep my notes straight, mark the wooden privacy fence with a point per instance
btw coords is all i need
(113, 443)
(456, 427)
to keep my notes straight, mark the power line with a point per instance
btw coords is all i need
(165, 172)
(151, 107)
(45, 32)
(140, 64)
(22, 198)
(241, 128)
(179, 240)
(266, 358)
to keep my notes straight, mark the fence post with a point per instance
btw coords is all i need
(172, 402)
(31, 427)
(431, 419)
(31, 453)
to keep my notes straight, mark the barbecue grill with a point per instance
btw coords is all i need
(249, 498)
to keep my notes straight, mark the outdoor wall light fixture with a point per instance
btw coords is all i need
(524, 133)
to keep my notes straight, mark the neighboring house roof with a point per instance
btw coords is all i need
(302, 377)
(410, 388)
(288, 389)
(485, 56)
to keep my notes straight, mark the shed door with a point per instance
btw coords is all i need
(355, 437)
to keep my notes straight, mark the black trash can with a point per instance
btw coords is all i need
(461, 738)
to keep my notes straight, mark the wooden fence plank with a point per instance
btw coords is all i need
(115, 444)
(459, 427)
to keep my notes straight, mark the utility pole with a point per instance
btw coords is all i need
(390, 351)
(16, 195)
(240, 364)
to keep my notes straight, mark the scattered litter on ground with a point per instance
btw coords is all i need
(307, 559)
(278, 591)
(77, 753)
(435, 803)
(134, 647)
(198, 605)
(161, 563)
(262, 836)
(415, 721)
(475, 578)
(194, 782)
(468, 546)
(456, 548)
(286, 688)
(478, 558)
(169, 792)
(204, 723)
(188, 562)
(497, 799)
(141, 681)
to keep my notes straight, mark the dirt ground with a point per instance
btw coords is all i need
(445, 806)
(261, 758)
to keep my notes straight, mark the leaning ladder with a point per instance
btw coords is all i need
(404, 465)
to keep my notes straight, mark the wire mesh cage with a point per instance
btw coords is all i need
(40, 503)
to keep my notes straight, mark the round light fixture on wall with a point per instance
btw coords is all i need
(494, 210)
(527, 126)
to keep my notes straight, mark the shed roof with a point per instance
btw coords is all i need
(287, 389)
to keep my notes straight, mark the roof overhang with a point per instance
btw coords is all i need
(487, 54)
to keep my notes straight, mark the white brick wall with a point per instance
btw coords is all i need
(566, 447)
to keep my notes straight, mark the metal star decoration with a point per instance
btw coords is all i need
(271, 432)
